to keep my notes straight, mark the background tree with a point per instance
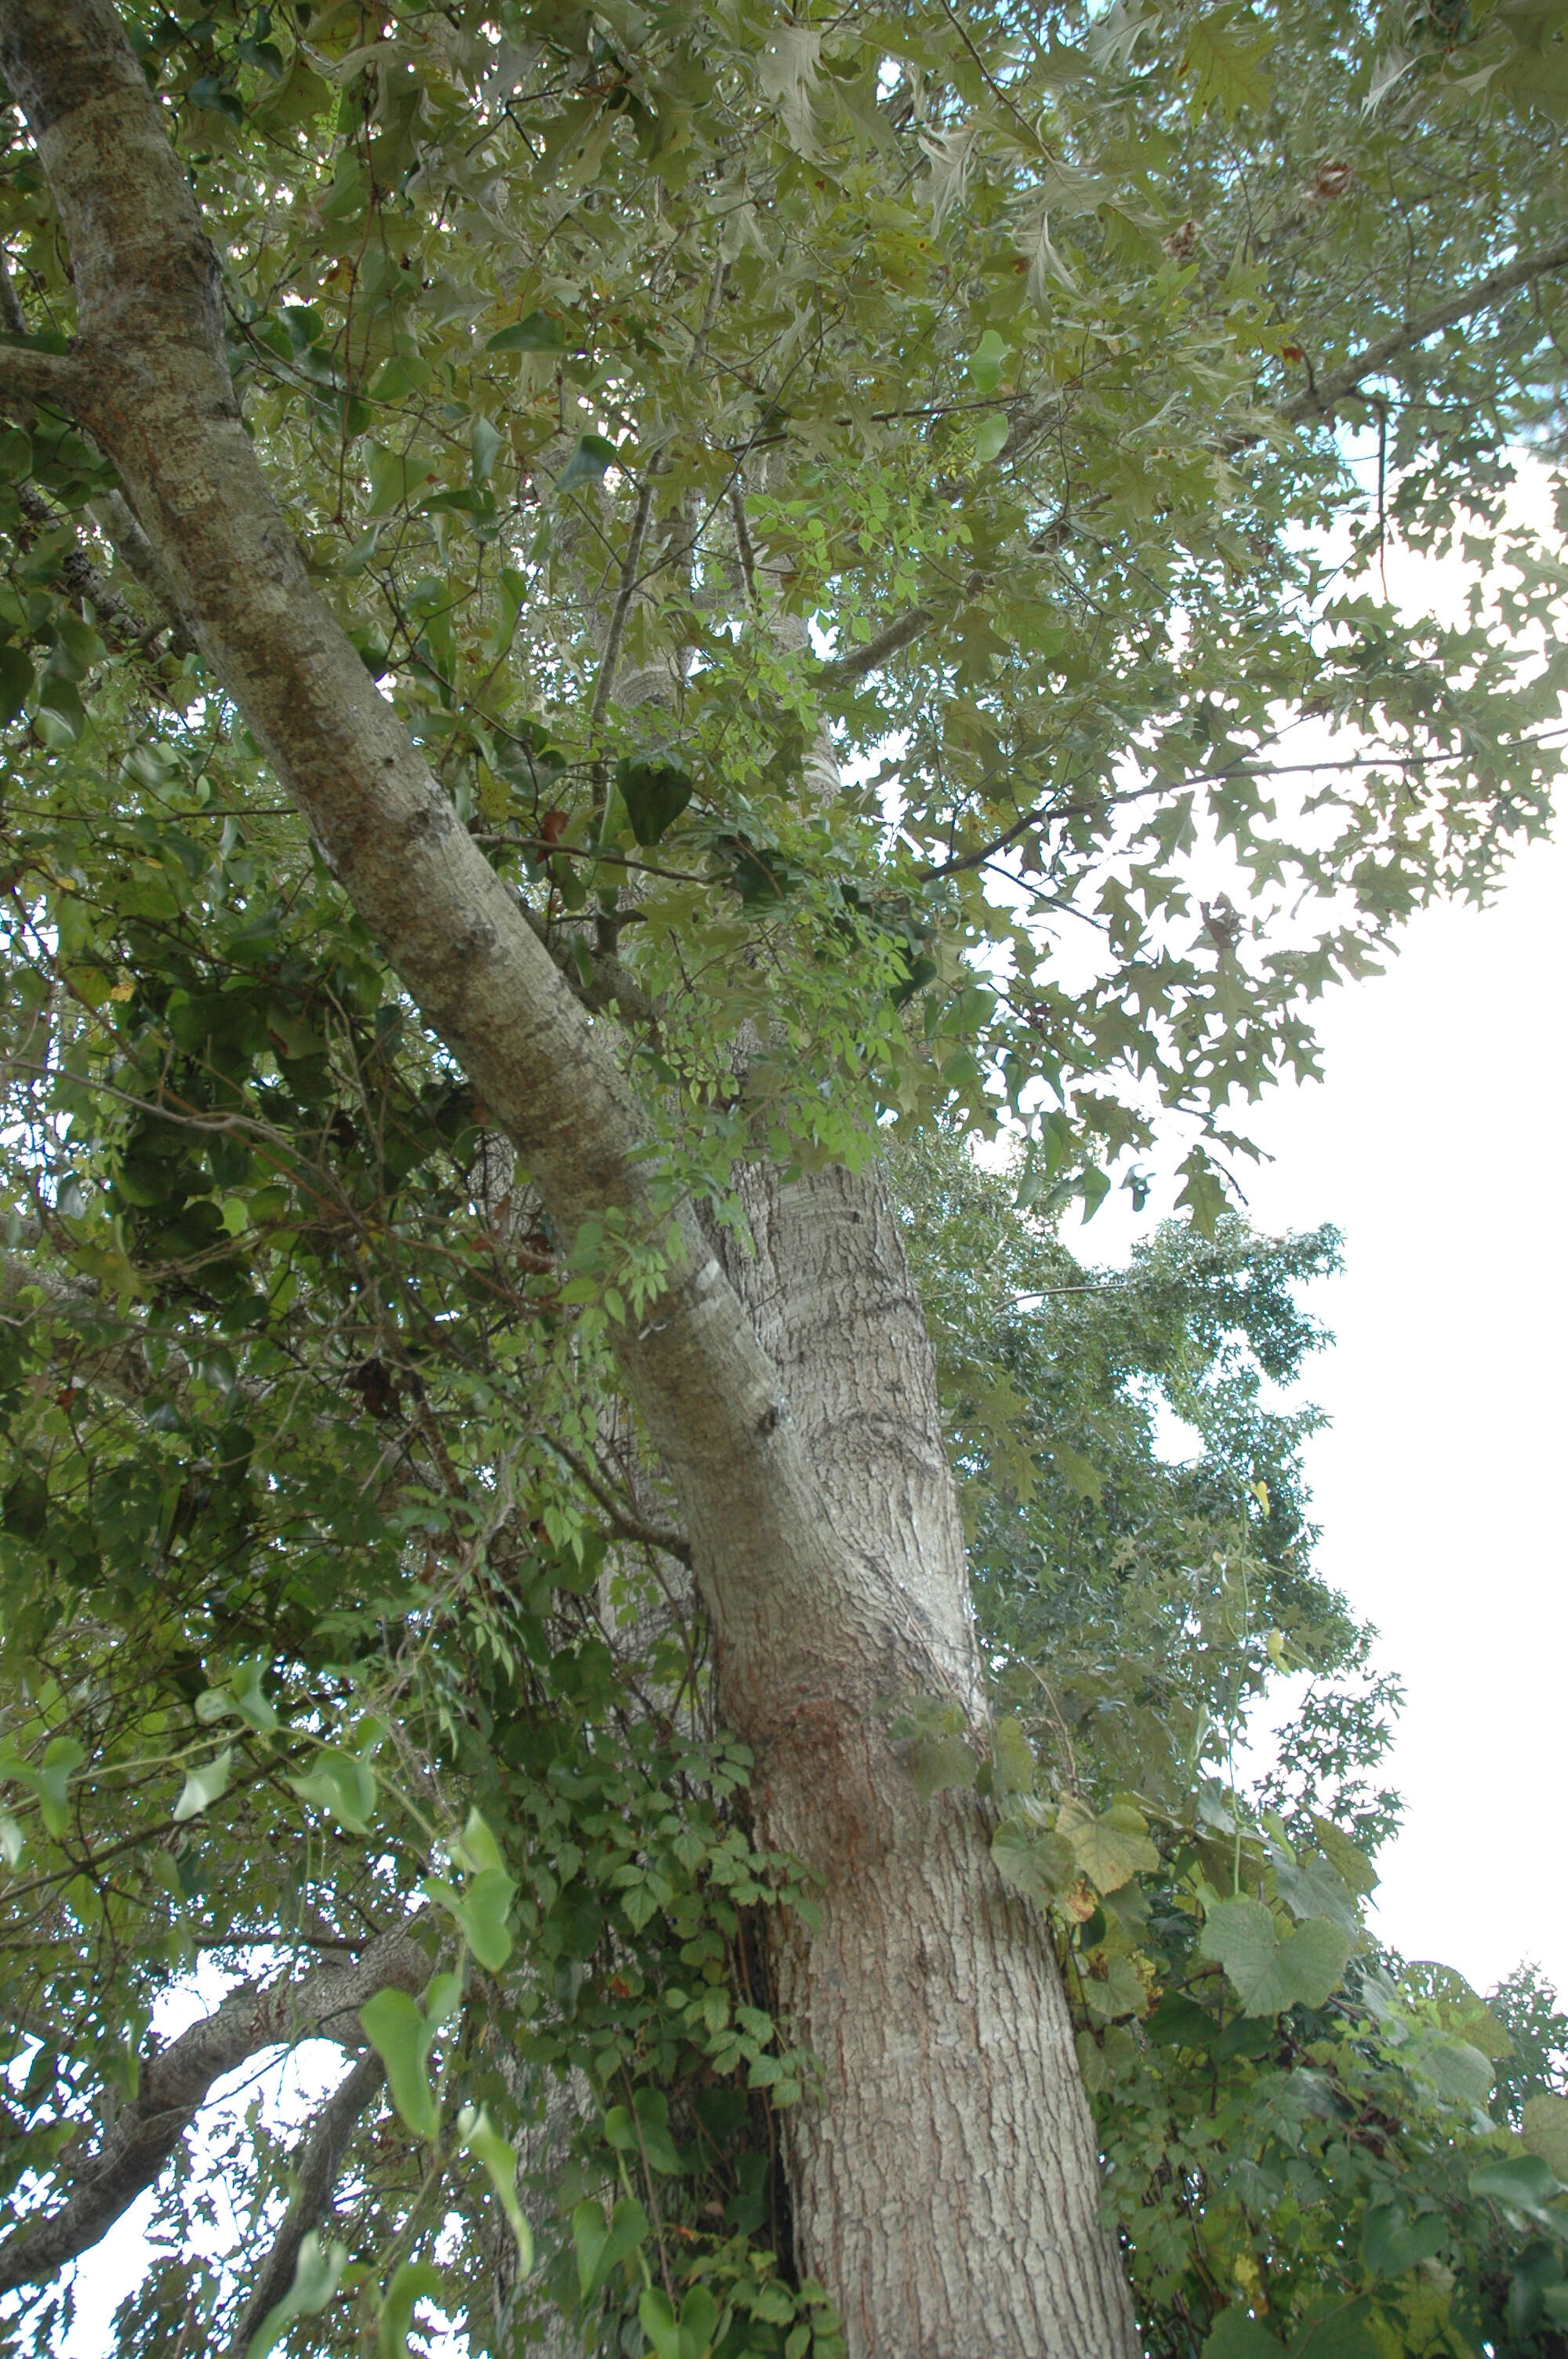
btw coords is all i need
(831, 504)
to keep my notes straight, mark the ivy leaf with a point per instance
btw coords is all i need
(588, 462)
(654, 794)
(1110, 1849)
(645, 2129)
(341, 1784)
(316, 2274)
(1341, 2333)
(1391, 2243)
(480, 1912)
(937, 1762)
(480, 2137)
(1269, 1974)
(203, 1786)
(600, 2245)
(1180, 2022)
(990, 437)
(1311, 1887)
(1236, 2336)
(986, 362)
(1012, 1756)
(1120, 1990)
(1035, 1860)
(416, 2281)
(688, 2336)
(402, 2035)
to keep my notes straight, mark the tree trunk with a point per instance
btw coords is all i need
(945, 2181)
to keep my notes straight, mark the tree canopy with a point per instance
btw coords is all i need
(853, 510)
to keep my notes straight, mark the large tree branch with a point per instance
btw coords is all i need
(1318, 402)
(324, 2004)
(1322, 397)
(30, 376)
(155, 391)
(320, 2164)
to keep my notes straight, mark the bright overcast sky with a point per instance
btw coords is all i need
(1436, 1143)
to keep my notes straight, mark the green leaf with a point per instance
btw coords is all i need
(480, 2137)
(1179, 2022)
(688, 2336)
(1391, 2243)
(937, 1762)
(476, 1848)
(1461, 2073)
(479, 1912)
(600, 2245)
(985, 364)
(1340, 2333)
(652, 2108)
(654, 794)
(541, 332)
(316, 2274)
(403, 2036)
(394, 477)
(1545, 2131)
(202, 1787)
(1012, 1756)
(342, 1784)
(414, 2281)
(1110, 1849)
(1525, 2182)
(1236, 2336)
(1348, 1862)
(588, 462)
(1311, 1887)
(1225, 64)
(990, 437)
(1080, 1474)
(486, 443)
(16, 683)
(1034, 1860)
(1269, 1975)
(52, 1778)
(248, 1701)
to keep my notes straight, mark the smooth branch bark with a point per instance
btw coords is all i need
(946, 2183)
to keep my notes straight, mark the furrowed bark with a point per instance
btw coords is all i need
(945, 2184)
(324, 2004)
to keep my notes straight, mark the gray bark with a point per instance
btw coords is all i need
(946, 2180)
(173, 2083)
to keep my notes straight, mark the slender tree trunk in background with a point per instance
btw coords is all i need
(945, 2183)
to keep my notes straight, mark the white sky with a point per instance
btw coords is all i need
(1436, 1143)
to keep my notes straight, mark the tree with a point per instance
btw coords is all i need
(825, 499)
